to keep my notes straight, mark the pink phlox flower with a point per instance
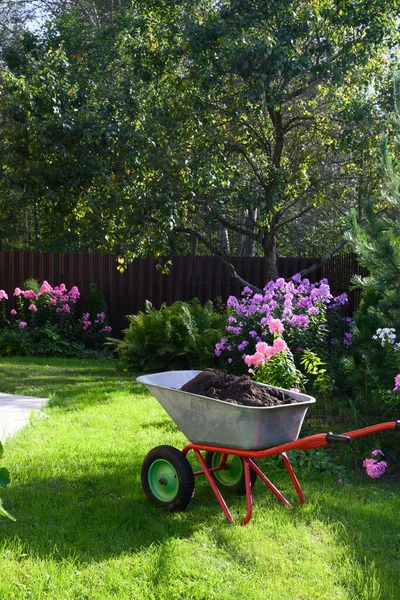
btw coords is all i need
(66, 308)
(53, 302)
(377, 452)
(299, 349)
(258, 359)
(229, 359)
(279, 345)
(255, 359)
(63, 287)
(397, 383)
(276, 326)
(13, 312)
(313, 310)
(17, 291)
(262, 347)
(30, 294)
(22, 324)
(74, 293)
(280, 283)
(45, 288)
(3, 295)
(108, 328)
(375, 469)
(32, 307)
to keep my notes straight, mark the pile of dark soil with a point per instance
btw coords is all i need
(235, 389)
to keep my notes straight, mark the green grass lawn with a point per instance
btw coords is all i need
(85, 530)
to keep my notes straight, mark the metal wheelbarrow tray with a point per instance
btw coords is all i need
(231, 437)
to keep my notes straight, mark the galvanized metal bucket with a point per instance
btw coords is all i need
(217, 423)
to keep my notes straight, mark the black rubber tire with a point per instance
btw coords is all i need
(168, 464)
(239, 486)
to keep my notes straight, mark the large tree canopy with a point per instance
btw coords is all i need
(228, 121)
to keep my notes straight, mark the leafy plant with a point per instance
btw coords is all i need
(4, 481)
(182, 335)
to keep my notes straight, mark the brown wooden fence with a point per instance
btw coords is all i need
(202, 277)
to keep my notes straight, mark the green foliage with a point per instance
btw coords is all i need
(179, 336)
(246, 116)
(314, 366)
(281, 371)
(4, 481)
(375, 358)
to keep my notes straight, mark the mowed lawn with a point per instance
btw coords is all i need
(85, 530)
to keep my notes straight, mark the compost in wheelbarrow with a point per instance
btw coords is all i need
(167, 476)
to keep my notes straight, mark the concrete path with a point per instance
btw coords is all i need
(15, 412)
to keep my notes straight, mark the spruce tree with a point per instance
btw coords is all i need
(375, 355)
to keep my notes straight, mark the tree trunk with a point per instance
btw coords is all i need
(223, 238)
(269, 245)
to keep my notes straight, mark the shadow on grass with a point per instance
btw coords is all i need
(88, 519)
(99, 516)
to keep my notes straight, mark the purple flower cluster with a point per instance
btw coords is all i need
(85, 322)
(297, 304)
(375, 467)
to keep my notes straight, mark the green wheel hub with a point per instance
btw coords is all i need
(233, 472)
(163, 480)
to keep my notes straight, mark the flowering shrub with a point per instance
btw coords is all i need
(257, 322)
(374, 466)
(44, 321)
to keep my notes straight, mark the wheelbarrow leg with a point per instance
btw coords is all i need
(293, 477)
(249, 495)
(270, 485)
(213, 485)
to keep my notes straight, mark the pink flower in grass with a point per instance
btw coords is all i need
(32, 307)
(17, 291)
(13, 312)
(375, 469)
(3, 295)
(275, 326)
(396, 383)
(22, 324)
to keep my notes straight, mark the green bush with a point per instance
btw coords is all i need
(179, 336)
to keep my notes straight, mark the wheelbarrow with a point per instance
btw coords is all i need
(227, 440)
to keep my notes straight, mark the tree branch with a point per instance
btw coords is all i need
(324, 259)
(216, 252)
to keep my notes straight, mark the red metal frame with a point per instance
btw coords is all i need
(308, 443)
